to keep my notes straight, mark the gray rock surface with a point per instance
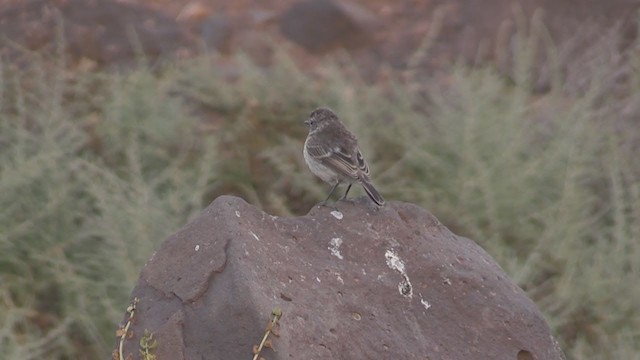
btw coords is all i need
(358, 283)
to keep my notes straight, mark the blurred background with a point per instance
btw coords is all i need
(516, 123)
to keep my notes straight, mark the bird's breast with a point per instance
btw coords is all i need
(319, 170)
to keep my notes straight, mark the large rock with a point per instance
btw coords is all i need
(361, 283)
(322, 25)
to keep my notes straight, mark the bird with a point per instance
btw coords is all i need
(332, 154)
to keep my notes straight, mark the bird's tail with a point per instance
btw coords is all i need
(372, 192)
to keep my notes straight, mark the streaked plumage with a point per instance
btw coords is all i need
(331, 152)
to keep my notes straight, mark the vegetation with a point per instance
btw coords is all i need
(98, 167)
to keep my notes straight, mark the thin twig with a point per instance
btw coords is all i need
(131, 310)
(276, 314)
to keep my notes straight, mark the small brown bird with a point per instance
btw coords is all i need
(332, 154)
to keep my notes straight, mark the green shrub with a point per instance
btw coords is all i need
(97, 168)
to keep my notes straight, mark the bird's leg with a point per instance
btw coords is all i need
(344, 197)
(330, 193)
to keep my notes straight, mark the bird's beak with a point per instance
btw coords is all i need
(307, 122)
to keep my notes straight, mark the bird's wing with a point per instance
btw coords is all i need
(345, 163)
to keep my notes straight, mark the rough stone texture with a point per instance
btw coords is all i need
(361, 283)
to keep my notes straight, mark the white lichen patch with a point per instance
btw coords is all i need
(337, 214)
(405, 288)
(424, 303)
(334, 247)
(237, 213)
(197, 248)
(254, 235)
(394, 262)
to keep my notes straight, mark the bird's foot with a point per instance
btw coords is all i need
(326, 204)
(352, 201)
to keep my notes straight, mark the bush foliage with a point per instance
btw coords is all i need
(98, 167)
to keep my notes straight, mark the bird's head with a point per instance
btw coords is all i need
(319, 118)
